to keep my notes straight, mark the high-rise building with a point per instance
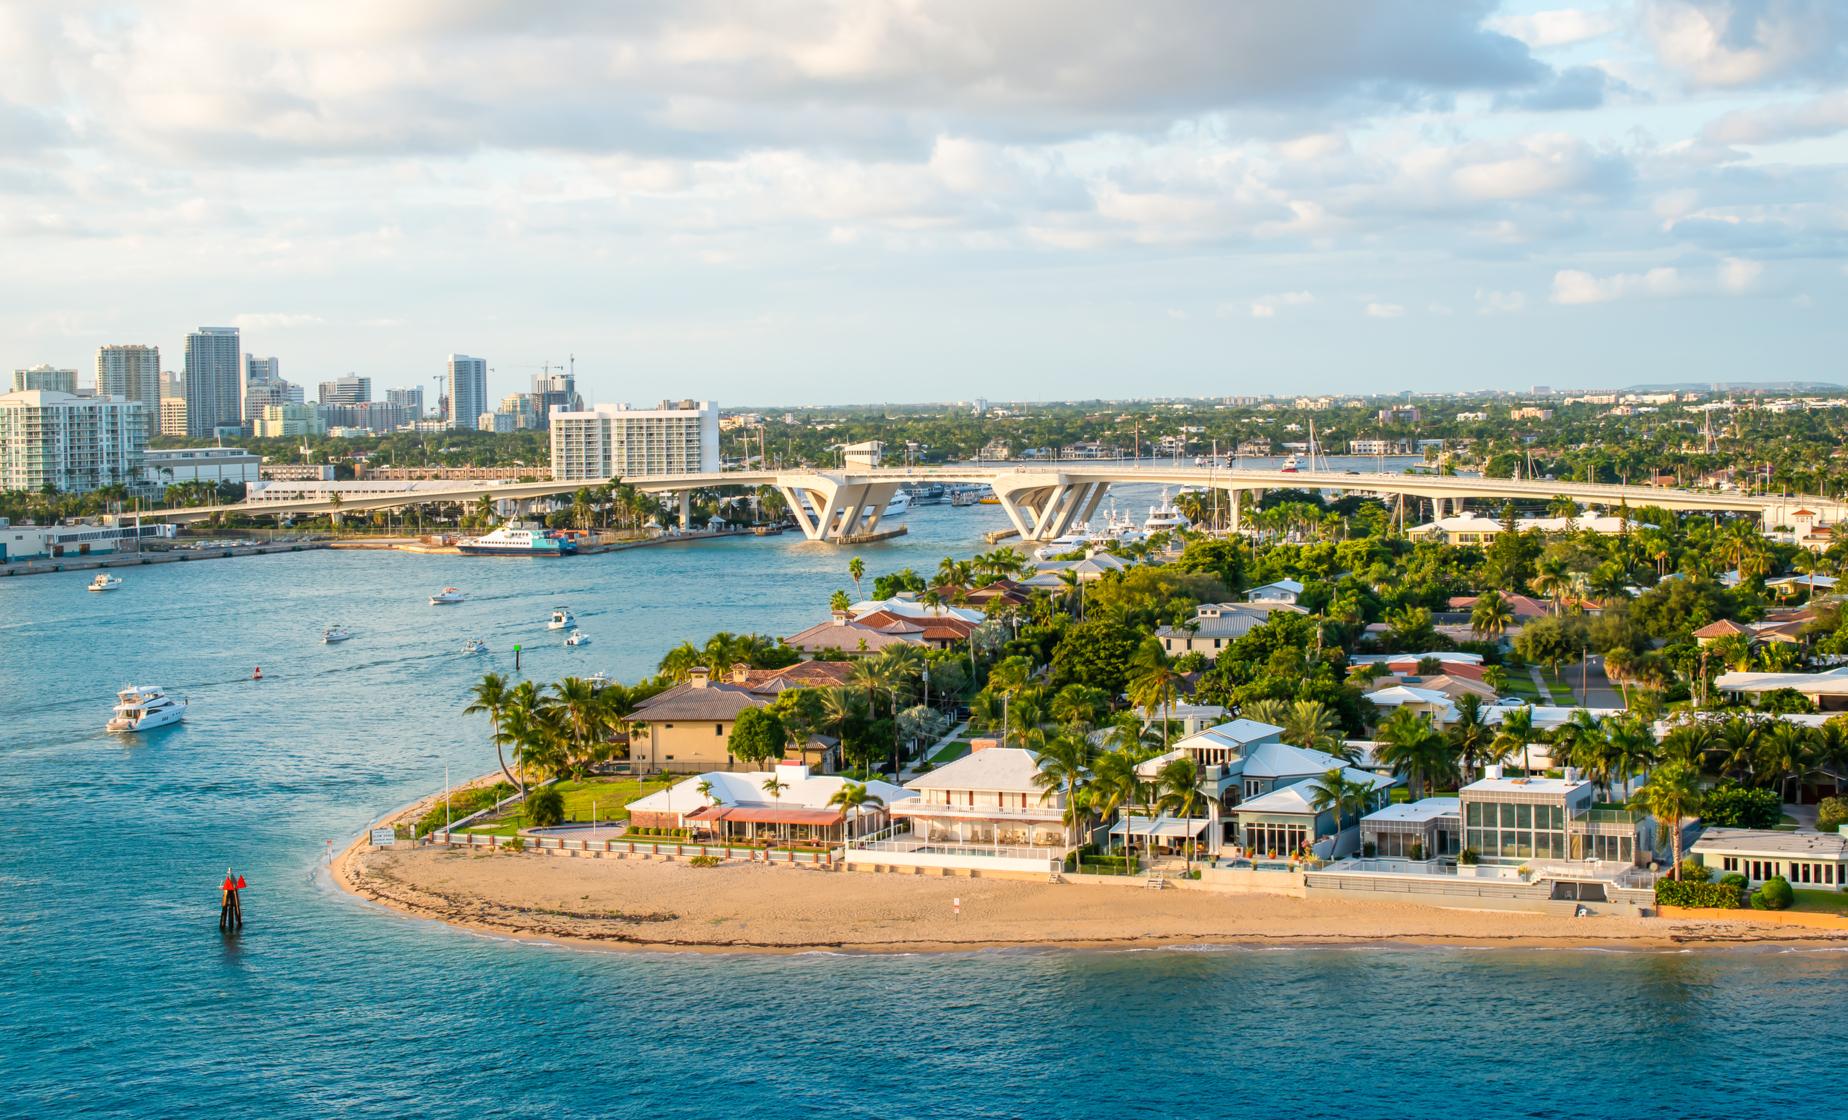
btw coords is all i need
(290, 420)
(371, 416)
(411, 400)
(214, 383)
(468, 390)
(68, 442)
(554, 391)
(616, 441)
(351, 389)
(132, 373)
(262, 369)
(47, 378)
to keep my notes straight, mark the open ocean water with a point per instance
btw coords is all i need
(118, 996)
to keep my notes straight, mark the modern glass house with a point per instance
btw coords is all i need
(1512, 821)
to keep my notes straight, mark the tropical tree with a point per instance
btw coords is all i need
(1313, 724)
(774, 786)
(853, 798)
(1178, 795)
(1469, 734)
(1153, 685)
(1514, 733)
(1672, 795)
(1784, 756)
(491, 696)
(1334, 792)
(1115, 786)
(856, 568)
(1065, 765)
(1412, 747)
(1491, 616)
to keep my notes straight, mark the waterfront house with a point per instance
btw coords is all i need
(735, 806)
(687, 728)
(1277, 591)
(1216, 625)
(1814, 860)
(1827, 690)
(844, 635)
(983, 812)
(1285, 820)
(1510, 822)
(1427, 702)
(1414, 830)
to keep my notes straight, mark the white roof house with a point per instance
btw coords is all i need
(746, 787)
(906, 607)
(1416, 812)
(1297, 798)
(1410, 696)
(997, 769)
(1279, 591)
(1833, 682)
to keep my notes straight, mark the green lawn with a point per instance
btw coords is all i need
(1820, 902)
(1522, 685)
(950, 753)
(608, 797)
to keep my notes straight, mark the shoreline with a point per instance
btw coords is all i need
(669, 906)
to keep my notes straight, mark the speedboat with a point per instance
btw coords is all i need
(474, 645)
(1291, 465)
(561, 619)
(144, 707)
(335, 633)
(577, 638)
(105, 582)
(445, 596)
(600, 680)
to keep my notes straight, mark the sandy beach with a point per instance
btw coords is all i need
(657, 904)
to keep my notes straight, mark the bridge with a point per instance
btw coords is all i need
(1044, 501)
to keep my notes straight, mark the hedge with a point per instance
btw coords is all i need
(1731, 806)
(1698, 896)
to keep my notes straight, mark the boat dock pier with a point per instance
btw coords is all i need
(94, 561)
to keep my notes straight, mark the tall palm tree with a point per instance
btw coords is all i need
(853, 798)
(1178, 795)
(582, 715)
(1469, 734)
(1672, 795)
(856, 569)
(1515, 732)
(1552, 579)
(875, 678)
(1115, 786)
(1491, 616)
(1631, 747)
(491, 695)
(1784, 754)
(1336, 793)
(1313, 724)
(1065, 765)
(1412, 747)
(1154, 684)
(838, 706)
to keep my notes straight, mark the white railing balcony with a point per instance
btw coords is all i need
(912, 807)
(952, 848)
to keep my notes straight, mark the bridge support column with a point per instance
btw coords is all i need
(686, 509)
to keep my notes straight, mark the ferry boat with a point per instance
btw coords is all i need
(445, 596)
(517, 540)
(1165, 516)
(561, 619)
(335, 633)
(966, 496)
(474, 645)
(105, 582)
(927, 493)
(577, 638)
(144, 707)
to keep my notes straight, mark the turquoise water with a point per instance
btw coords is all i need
(121, 999)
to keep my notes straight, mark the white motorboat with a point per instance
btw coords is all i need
(1165, 516)
(599, 679)
(1291, 465)
(335, 633)
(105, 582)
(1075, 540)
(144, 707)
(562, 619)
(474, 645)
(577, 638)
(446, 596)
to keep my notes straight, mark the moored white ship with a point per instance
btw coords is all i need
(517, 540)
(144, 707)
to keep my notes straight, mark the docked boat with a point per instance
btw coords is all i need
(1165, 516)
(335, 633)
(927, 493)
(961, 496)
(518, 540)
(562, 619)
(144, 707)
(577, 638)
(1076, 539)
(600, 680)
(446, 596)
(897, 507)
(105, 582)
(474, 645)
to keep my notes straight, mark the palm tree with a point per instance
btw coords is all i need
(1178, 786)
(1065, 764)
(1153, 686)
(874, 677)
(1335, 792)
(1784, 754)
(1469, 734)
(1491, 616)
(1630, 747)
(1552, 579)
(581, 713)
(1411, 746)
(1313, 724)
(852, 798)
(1115, 786)
(838, 706)
(1515, 733)
(1672, 795)
(857, 569)
(491, 696)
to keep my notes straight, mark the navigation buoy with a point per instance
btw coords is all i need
(230, 909)
(257, 675)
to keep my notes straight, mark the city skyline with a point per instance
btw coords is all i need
(1058, 200)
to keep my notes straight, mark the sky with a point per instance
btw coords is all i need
(813, 202)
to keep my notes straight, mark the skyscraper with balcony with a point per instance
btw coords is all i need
(616, 441)
(132, 373)
(468, 390)
(69, 443)
(214, 382)
(45, 377)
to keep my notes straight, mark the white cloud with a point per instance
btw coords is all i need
(1558, 27)
(1742, 43)
(275, 320)
(1499, 303)
(1266, 307)
(1739, 276)
(1820, 116)
(1733, 276)
(1384, 310)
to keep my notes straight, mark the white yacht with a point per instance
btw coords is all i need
(577, 638)
(105, 582)
(1291, 465)
(474, 645)
(335, 633)
(897, 507)
(600, 680)
(445, 596)
(562, 619)
(1165, 516)
(142, 707)
(1077, 538)
(1122, 529)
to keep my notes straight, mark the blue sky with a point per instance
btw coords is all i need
(822, 202)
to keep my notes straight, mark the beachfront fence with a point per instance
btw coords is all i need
(619, 846)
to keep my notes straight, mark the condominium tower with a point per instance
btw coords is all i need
(45, 377)
(132, 373)
(214, 382)
(616, 441)
(468, 390)
(67, 442)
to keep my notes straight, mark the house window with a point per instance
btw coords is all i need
(718, 729)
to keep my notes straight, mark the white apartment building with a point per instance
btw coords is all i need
(616, 441)
(290, 420)
(163, 468)
(132, 373)
(69, 442)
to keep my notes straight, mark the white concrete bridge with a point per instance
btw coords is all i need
(1045, 501)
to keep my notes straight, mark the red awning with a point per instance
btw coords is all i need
(760, 814)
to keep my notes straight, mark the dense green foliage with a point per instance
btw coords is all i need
(1733, 806)
(1699, 896)
(1773, 894)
